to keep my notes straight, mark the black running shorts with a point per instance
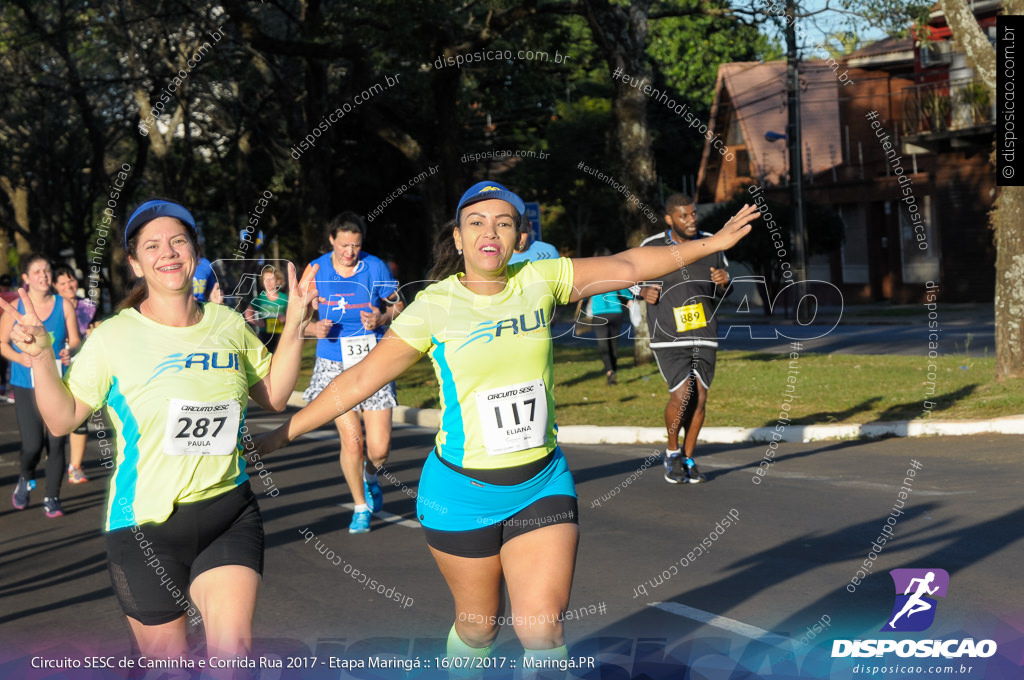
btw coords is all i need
(678, 362)
(152, 567)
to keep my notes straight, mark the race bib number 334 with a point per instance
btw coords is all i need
(354, 349)
(197, 428)
(513, 418)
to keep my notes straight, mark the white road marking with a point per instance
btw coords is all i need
(387, 517)
(731, 625)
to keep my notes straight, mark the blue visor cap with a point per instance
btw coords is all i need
(150, 210)
(484, 191)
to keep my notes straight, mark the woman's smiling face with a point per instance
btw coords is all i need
(487, 235)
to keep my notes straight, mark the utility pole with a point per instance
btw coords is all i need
(793, 138)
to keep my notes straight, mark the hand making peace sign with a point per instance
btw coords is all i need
(28, 334)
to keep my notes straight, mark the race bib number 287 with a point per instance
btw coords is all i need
(196, 428)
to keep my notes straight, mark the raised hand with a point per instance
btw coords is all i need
(28, 334)
(737, 227)
(302, 295)
(216, 294)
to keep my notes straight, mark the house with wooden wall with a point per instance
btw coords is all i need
(900, 147)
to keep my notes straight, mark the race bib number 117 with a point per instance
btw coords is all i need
(513, 418)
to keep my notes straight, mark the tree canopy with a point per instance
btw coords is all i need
(335, 106)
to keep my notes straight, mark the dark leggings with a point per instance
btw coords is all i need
(607, 337)
(33, 435)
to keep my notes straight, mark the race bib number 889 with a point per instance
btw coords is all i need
(689, 318)
(513, 418)
(197, 428)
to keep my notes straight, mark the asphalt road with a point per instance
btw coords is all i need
(907, 339)
(646, 601)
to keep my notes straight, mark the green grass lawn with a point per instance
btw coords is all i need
(749, 387)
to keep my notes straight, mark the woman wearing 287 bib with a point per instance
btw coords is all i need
(175, 376)
(496, 498)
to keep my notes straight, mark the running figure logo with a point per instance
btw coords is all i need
(915, 611)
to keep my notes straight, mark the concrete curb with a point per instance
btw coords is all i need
(585, 434)
(594, 434)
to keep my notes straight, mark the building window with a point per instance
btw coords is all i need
(855, 244)
(742, 162)
(919, 266)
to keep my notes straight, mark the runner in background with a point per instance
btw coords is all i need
(528, 250)
(684, 335)
(205, 287)
(266, 311)
(609, 317)
(56, 319)
(85, 310)
(354, 288)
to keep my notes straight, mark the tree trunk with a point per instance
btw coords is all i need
(1007, 216)
(18, 197)
(445, 83)
(621, 34)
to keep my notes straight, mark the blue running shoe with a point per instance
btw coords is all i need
(693, 475)
(360, 523)
(374, 496)
(19, 499)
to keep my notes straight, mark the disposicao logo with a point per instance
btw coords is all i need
(914, 610)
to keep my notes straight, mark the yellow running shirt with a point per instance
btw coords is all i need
(176, 398)
(492, 358)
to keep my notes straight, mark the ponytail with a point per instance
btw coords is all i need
(138, 293)
(447, 260)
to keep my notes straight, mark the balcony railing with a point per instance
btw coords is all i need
(948, 106)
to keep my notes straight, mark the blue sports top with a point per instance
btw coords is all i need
(58, 329)
(347, 297)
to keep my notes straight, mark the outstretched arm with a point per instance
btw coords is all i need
(594, 275)
(384, 363)
(61, 411)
